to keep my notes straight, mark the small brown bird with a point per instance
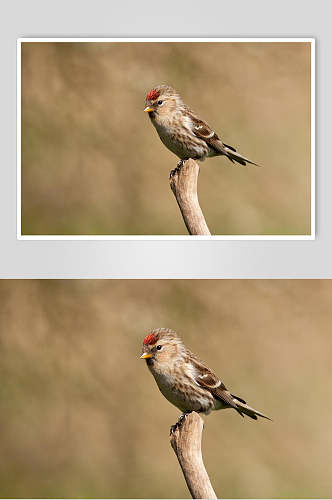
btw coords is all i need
(182, 131)
(185, 380)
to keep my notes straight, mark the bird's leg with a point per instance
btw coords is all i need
(180, 421)
(178, 167)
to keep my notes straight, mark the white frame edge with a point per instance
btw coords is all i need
(167, 237)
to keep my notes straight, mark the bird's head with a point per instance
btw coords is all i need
(161, 102)
(161, 346)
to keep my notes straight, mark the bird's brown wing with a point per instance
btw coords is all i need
(202, 130)
(207, 379)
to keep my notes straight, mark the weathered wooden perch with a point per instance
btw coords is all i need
(183, 181)
(186, 437)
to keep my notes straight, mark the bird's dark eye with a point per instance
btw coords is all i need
(159, 347)
(160, 102)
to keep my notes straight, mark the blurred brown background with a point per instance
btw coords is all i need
(81, 416)
(92, 163)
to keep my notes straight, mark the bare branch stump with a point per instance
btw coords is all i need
(186, 437)
(183, 181)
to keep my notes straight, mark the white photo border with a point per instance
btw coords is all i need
(311, 236)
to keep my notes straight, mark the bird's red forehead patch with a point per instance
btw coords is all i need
(150, 339)
(152, 95)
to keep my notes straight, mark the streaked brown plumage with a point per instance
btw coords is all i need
(185, 380)
(182, 131)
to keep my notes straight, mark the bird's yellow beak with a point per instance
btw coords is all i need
(148, 109)
(146, 355)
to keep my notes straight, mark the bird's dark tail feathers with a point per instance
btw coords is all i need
(242, 407)
(232, 155)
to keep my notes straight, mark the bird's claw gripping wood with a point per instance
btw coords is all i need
(173, 172)
(180, 421)
(181, 162)
(177, 169)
